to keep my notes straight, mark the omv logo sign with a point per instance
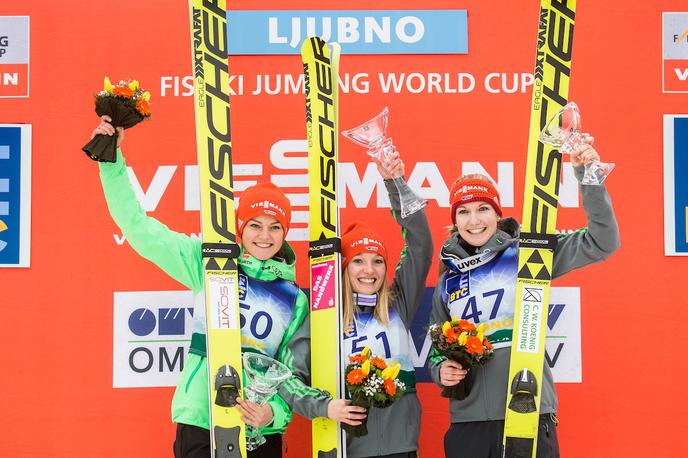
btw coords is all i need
(15, 194)
(151, 336)
(167, 322)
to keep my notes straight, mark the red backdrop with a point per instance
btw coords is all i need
(56, 388)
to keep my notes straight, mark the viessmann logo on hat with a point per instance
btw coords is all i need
(269, 206)
(367, 241)
(468, 187)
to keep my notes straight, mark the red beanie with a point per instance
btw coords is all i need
(263, 199)
(467, 190)
(361, 238)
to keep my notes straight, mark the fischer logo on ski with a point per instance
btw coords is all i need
(538, 239)
(321, 71)
(219, 248)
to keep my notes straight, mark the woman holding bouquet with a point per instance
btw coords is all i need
(482, 292)
(266, 273)
(376, 317)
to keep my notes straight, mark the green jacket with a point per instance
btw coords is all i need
(180, 257)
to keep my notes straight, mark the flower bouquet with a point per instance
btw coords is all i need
(463, 342)
(371, 382)
(127, 105)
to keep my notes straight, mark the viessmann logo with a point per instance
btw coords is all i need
(366, 241)
(267, 205)
(466, 188)
(357, 31)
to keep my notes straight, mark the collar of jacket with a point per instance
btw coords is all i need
(271, 269)
(508, 231)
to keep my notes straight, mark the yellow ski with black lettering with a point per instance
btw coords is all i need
(538, 239)
(321, 72)
(218, 225)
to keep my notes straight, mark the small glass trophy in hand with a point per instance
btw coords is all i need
(263, 376)
(563, 131)
(373, 136)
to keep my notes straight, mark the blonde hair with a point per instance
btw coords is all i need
(384, 298)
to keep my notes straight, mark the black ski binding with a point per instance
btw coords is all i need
(227, 384)
(523, 392)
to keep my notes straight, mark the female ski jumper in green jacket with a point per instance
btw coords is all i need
(273, 308)
(394, 429)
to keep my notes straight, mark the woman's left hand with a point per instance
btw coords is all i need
(585, 152)
(253, 414)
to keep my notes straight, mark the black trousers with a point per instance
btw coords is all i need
(194, 442)
(483, 439)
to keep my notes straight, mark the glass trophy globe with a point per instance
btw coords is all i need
(263, 376)
(372, 135)
(563, 131)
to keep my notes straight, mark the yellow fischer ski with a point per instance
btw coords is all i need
(321, 72)
(538, 239)
(218, 225)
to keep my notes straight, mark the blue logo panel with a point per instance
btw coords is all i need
(12, 190)
(357, 31)
(675, 185)
(680, 183)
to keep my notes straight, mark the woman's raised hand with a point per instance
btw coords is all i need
(105, 128)
(390, 165)
(584, 153)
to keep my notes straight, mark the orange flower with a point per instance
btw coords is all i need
(450, 335)
(124, 91)
(487, 344)
(474, 345)
(466, 326)
(390, 387)
(143, 107)
(356, 359)
(355, 377)
(379, 363)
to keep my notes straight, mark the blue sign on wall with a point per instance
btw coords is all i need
(357, 31)
(15, 195)
(675, 185)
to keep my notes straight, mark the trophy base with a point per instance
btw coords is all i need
(254, 441)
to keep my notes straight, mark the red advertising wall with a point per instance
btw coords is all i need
(56, 388)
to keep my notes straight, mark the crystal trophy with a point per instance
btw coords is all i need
(373, 136)
(263, 377)
(563, 131)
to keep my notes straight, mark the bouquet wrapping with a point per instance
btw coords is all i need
(127, 105)
(371, 382)
(463, 342)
